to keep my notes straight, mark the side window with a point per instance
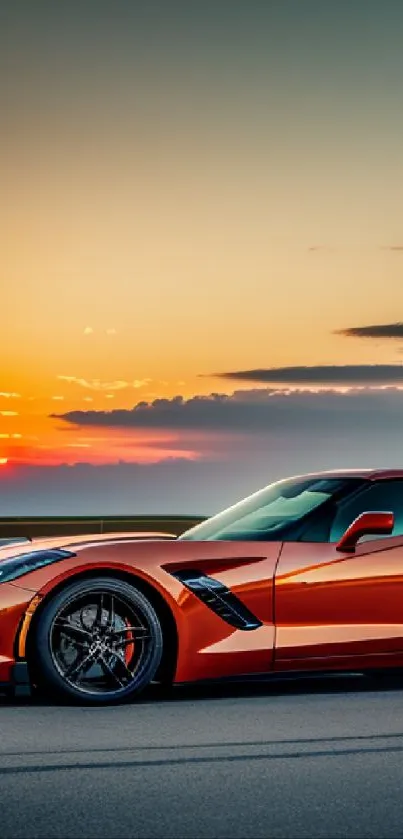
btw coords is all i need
(382, 496)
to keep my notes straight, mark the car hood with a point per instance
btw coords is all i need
(16, 547)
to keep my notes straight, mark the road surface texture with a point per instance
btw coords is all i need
(317, 759)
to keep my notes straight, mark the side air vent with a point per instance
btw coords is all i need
(219, 599)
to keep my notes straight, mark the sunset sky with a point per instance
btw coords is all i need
(201, 248)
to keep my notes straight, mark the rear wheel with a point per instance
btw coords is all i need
(97, 641)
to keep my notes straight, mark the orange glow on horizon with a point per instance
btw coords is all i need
(55, 446)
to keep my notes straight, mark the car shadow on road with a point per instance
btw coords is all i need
(247, 688)
(285, 686)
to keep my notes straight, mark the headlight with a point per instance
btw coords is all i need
(17, 566)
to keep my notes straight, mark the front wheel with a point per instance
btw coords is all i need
(97, 641)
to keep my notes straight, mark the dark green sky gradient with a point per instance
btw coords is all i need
(308, 48)
(297, 84)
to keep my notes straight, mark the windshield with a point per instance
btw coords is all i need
(272, 512)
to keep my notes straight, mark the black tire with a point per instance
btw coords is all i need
(73, 639)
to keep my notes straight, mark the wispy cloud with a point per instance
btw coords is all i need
(142, 383)
(6, 395)
(58, 398)
(95, 384)
(10, 436)
(99, 385)
(8, 413)
(111, 331)
(78, 446)
(88, 330)
(337, 375)
(392, 248)
(377, 330)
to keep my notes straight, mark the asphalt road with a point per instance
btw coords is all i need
(321, 759)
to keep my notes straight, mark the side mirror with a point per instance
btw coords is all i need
(379, 524)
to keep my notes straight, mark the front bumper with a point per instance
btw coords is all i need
(14, 678)
(14, 605)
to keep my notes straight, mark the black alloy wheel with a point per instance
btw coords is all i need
(97, 641)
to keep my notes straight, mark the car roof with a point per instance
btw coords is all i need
(369, 474)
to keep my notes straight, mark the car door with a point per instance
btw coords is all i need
(331, 605)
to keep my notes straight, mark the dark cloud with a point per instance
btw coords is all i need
(176, 413)
(257, 436)
(305, 435)
(259, 411)
(392, 248)
(378, 330)
(349, 374)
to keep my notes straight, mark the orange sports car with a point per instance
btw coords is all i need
(304, 575)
